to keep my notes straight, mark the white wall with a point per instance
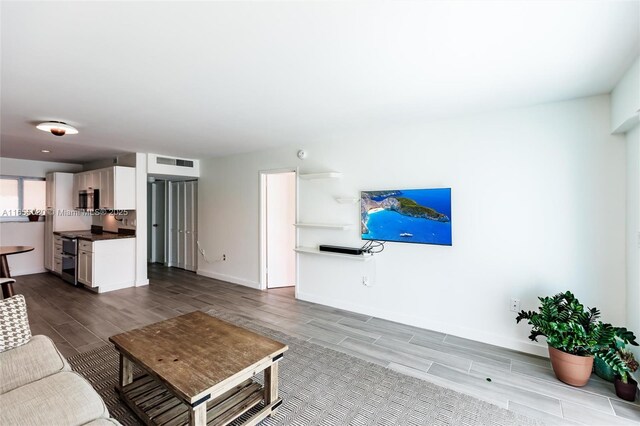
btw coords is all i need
(625, 100)
(16, 167)
(24, 234)
(538, 206)
(28, 233)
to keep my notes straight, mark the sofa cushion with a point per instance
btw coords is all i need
(14, 324)
(62, 399)
(27, 363)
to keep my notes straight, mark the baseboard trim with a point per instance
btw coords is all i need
(467, 333)
(27, 272)
(229, 278)
(113, 287)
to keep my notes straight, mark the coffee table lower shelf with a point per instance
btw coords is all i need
(154, 404)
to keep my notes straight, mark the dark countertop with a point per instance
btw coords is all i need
(86, 235)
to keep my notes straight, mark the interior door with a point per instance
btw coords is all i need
(173, 226)
(159, 223)
(151, 189)
(280, 216)
(188, 227)
(181, 205)
(194, 226)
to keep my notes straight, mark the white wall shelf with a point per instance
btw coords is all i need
(314, 251)
(339, 226)
(347, 200)
(325, 175)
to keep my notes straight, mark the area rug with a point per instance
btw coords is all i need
(321, 386)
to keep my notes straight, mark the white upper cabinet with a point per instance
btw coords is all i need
(116, 185)
(106, 188)
(124, 188)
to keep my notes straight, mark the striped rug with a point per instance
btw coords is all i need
(321, 386)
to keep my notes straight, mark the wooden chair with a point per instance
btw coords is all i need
(7, 287)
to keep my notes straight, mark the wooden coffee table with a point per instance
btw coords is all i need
(197, 370)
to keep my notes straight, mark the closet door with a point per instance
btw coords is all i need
(188, 224)
(181, 217)
(173, 223)
(194, 227)
(191, 195)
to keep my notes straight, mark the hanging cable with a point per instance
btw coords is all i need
(373, 246)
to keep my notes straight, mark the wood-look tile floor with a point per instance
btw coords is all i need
(79, 320)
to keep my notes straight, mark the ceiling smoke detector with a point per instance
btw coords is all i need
(58, 128)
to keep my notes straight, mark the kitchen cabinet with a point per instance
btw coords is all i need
(85, 267)
(84, 181)
(107, 177)
(60, 215)
(57, 265)
(116, 185)
(108, 264)
(57, 255)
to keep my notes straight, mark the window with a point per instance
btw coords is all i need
(20, 194)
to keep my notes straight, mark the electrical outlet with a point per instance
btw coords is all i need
(514, 306)
(224, 257)
(365, 281)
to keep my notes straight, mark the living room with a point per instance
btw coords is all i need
(527, 112)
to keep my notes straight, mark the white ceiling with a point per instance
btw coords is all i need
(206, 79)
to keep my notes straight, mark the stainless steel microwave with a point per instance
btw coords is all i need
(89, 200)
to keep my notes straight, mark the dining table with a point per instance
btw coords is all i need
(7, 288)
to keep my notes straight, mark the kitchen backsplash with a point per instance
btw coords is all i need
(109, 222)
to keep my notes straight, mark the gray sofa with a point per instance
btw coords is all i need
(37, 386)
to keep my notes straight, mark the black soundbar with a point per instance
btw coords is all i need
(356, 251)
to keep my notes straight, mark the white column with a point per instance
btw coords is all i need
(141, 220)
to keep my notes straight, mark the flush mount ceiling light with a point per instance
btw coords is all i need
(58, 128)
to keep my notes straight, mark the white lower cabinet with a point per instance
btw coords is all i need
(57, 265)
(85, 267)
(108, 264)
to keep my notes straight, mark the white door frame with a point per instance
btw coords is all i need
(263, 226)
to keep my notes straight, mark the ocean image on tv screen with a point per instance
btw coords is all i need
(409, 216)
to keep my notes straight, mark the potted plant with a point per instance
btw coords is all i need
(622, 362)
(573, 334)
(33, 215)
(603, 368)
(626, 387)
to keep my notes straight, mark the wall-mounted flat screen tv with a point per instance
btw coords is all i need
(420, 216)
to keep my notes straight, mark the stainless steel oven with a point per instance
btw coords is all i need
(70, 260)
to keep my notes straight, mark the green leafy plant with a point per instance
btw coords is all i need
(568, 326)
(620, 360)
